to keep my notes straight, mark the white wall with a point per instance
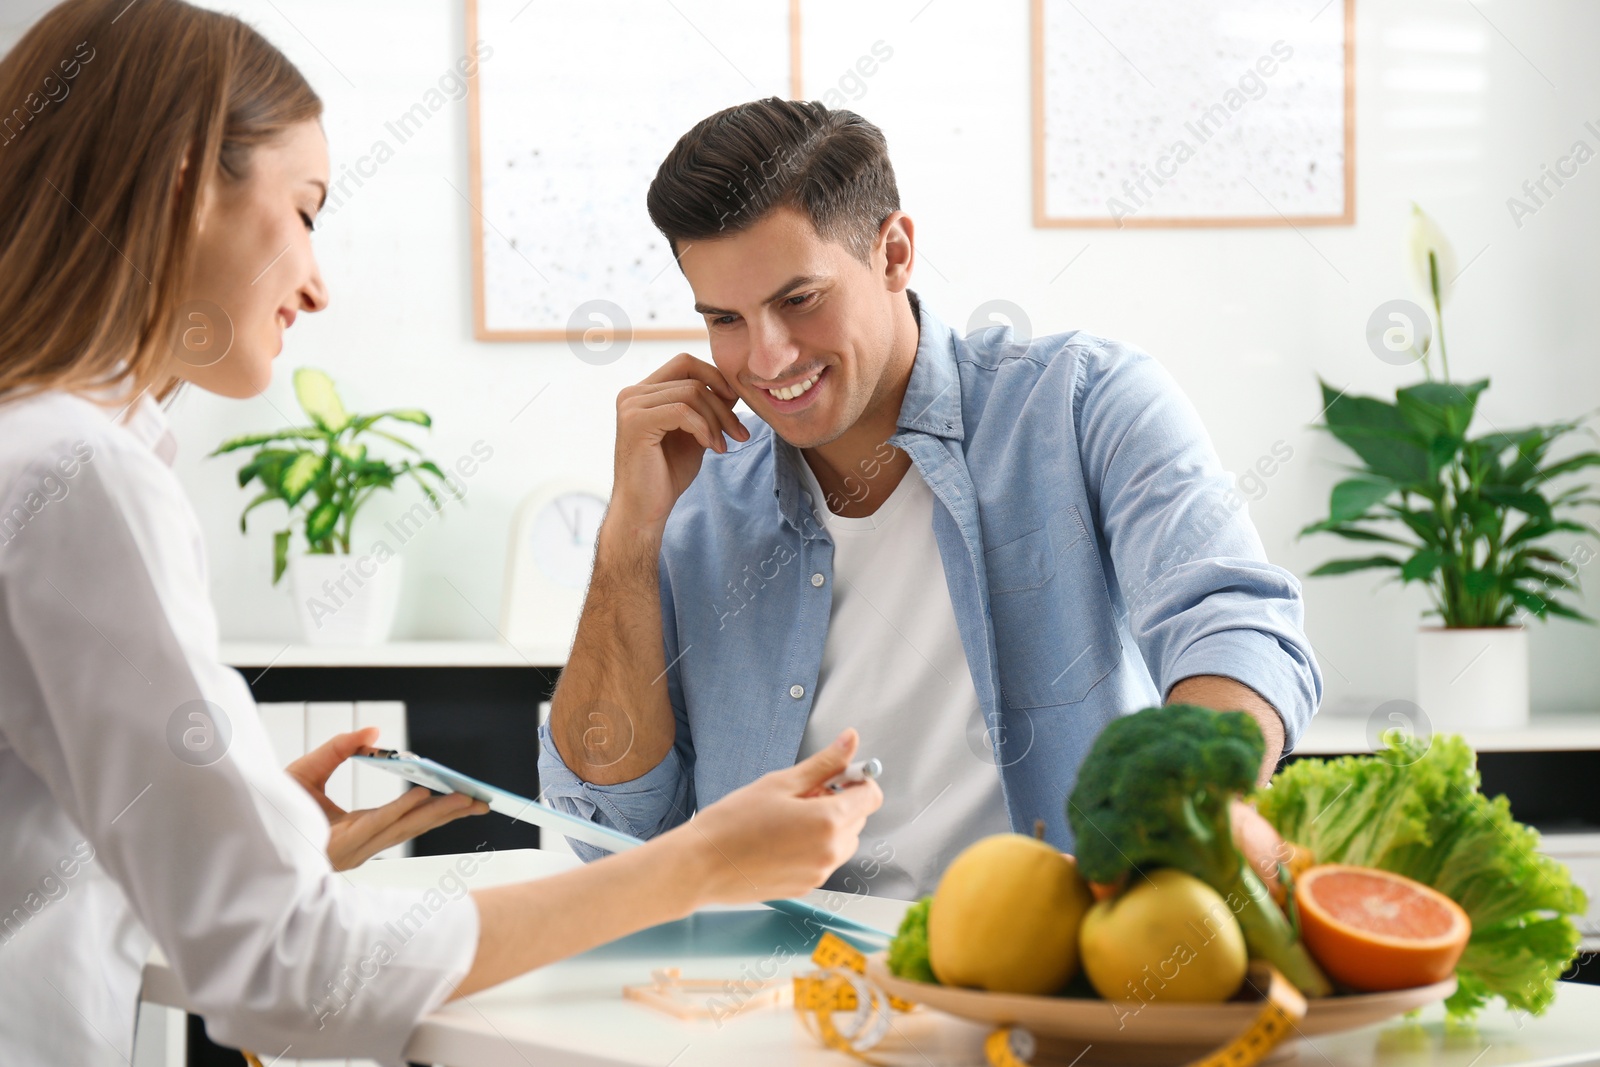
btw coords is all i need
(1457, 104)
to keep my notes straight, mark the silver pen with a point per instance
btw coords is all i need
(854, 774)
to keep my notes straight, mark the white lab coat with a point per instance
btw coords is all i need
(139, 797)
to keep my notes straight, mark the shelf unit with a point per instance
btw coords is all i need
(260, 654)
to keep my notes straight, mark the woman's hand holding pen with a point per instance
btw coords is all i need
(781, 835)
(356, 836)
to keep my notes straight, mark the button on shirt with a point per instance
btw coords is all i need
(141, 799)
(1093, 548)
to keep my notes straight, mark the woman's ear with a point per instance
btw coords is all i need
(177, 192)
(895, 238)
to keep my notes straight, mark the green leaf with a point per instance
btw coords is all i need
(270, 494)
(301, 473)
(322, 520)
(1422, 565)
(1353, 496)
(414, 415)
(1532, 601)
(1567, 466)
(1480, 583)
(268, 465)
(1346, 566)
(1527, 501)
(1438, 409)
(397, 440)
(1532, 528)
(317, 396)
(1354, 533)
(1544, 580)
(297, 434)
(350, 451)
(433, 498)
(1574, 495)
(1500, 440)
(1377, 432)
(1558, 608)
(433, 468)
(1442, 451)
(280, 554)
(1555, 607)
(1422, 522)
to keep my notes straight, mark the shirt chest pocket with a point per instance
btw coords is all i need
(1053, 623)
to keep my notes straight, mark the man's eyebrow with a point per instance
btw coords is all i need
(320, 185)
(783, 290)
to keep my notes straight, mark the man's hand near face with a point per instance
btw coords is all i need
(664, 425)
(610, 716)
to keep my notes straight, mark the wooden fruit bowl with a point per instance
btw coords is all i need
(1182, 1029)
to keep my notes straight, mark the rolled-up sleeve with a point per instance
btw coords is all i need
(654, 802)
(643, 807)
(155, 752)
(1202, 597)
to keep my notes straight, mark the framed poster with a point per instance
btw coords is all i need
(569, 116)
(1193, 112)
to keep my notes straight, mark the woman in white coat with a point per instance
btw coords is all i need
(161, 155)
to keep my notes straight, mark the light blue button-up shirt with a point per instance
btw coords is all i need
(1095, 551)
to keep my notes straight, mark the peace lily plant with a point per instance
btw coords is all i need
(1467, 516)
(324, 474)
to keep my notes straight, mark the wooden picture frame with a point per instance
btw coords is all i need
(1043, 219)
(479, 222)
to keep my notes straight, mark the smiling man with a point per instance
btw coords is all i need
(977, 551)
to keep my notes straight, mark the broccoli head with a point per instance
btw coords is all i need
(1155, 791)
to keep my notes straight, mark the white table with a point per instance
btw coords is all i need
(573, 1012)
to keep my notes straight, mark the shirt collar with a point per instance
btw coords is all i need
(148, 423)
(932, 405)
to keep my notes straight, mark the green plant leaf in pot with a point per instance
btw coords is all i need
(301, 474)
(1377, 432)
(322, 473)
(320, 400)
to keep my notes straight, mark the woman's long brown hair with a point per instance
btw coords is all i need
(101, 103)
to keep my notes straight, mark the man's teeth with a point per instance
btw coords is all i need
(795, 390)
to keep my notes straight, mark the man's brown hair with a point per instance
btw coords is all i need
(734, 167)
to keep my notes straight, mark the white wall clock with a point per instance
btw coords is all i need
(549, 562)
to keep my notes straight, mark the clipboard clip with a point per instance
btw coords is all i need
(385, 753)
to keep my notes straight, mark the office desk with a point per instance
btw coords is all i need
(574, 1013)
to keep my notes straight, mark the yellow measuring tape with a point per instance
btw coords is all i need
(840, 991)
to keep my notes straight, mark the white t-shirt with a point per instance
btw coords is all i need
(894, 668)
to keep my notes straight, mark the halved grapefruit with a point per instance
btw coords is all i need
(1374, 930)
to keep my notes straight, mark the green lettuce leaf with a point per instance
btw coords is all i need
(908, 952)
(1416, 809)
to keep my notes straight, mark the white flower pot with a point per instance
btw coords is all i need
(345, 600)
(1473, 678)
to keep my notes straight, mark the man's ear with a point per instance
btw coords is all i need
(898, 249)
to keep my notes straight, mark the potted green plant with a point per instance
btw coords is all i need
(323, 474)
(1468, 516)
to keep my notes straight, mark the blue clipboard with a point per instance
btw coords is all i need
(442, 779)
